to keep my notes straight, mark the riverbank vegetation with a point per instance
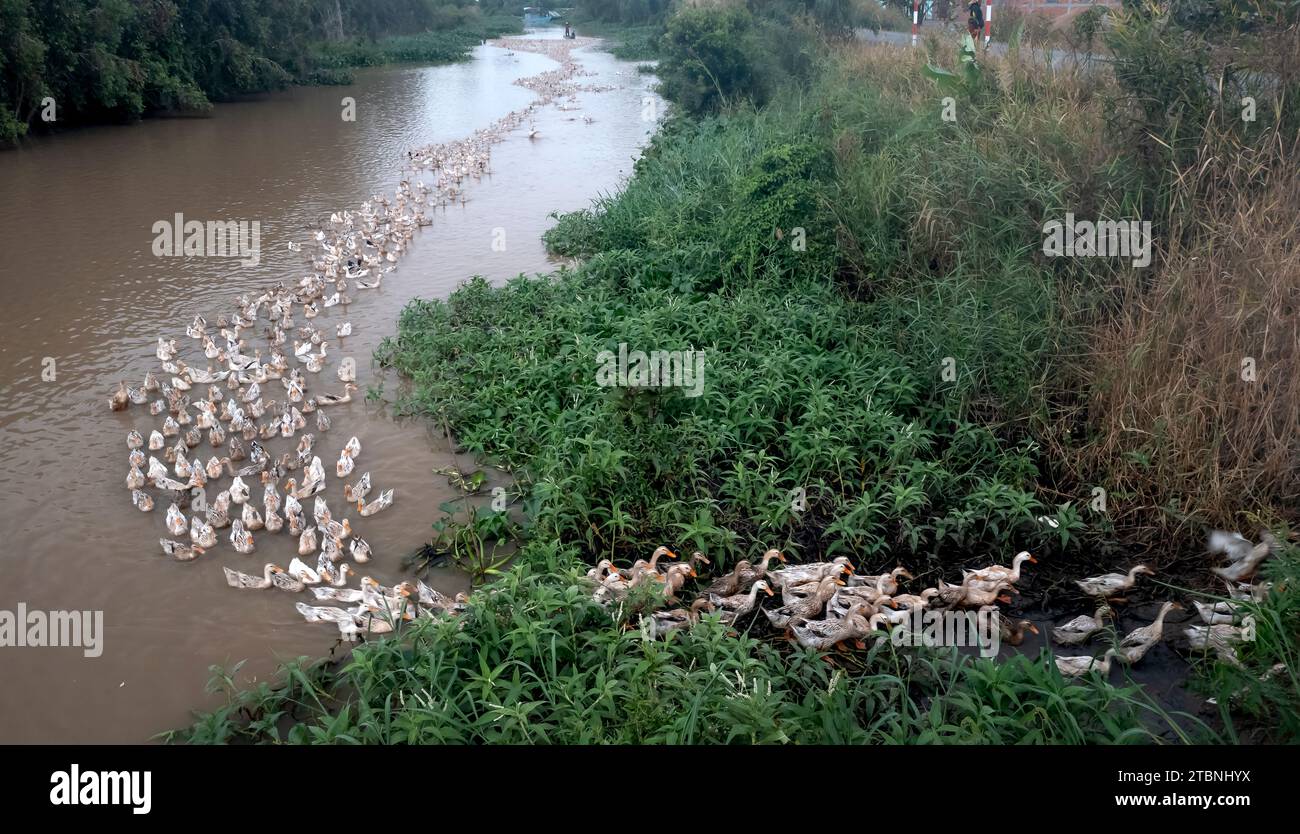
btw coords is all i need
(895, 372)
(73, 62)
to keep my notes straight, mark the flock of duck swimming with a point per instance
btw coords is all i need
(352, 251)
(826, 605)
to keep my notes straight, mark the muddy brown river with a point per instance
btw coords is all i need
(86, 298)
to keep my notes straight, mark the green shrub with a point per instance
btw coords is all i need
(708, 59)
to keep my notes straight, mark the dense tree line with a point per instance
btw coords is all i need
(115, 60)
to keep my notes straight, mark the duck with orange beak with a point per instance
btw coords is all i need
(793, 577)
(985, 578)
(383, 502)
(1013, 632)
(741, 604)
(756, 572)
(675, 577)
(887, 581)
(641, 566)
(806, 608)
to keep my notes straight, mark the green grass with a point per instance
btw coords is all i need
(807, 385)
(626, 42)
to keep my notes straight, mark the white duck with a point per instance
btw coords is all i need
(298, 570)
(1231, 544)
(329, 592)
(1073, 667)
(202, 534)
(793, 575)
(359, 491)
(737, 606)
(252, 518)
(218, 513)
(853, 627)
(1219, 613)
(243, 581)
(180, 551)
(1139, 641)
(241, 539)
(281, 579)
(335, 575)
(176, 523)
(338, 530)
(1109, 584)
(326, 614)
(384, 501)
(1000, 573)
(270, 497)
(1221, 638)
(1244, 567)
(1082, 627)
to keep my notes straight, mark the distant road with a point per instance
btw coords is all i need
(1059, 56)
(905, 38)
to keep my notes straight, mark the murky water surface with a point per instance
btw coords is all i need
(82, 287)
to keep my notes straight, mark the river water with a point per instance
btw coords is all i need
(91, 308)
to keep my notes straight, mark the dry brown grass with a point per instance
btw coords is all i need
(1158, 412)
(1177, 431)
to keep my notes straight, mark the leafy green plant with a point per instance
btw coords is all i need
(476, 543)
(966, 80)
